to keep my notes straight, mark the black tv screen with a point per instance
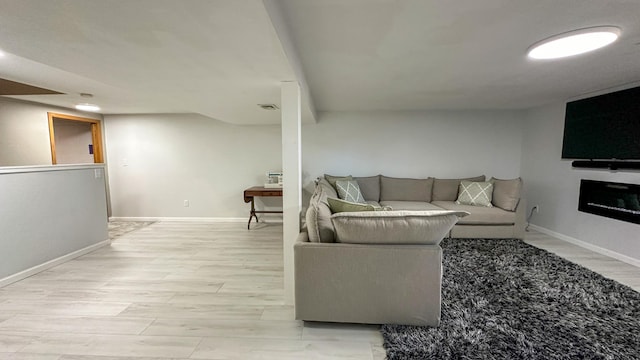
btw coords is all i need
(603, 127)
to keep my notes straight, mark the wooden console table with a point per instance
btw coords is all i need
(252, 192)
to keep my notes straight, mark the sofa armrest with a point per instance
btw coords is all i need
(521, 219)
(374, 284)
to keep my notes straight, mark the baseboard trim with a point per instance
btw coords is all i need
(193, 219)
(51, 263)
(586, 245)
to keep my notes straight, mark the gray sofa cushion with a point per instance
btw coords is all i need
(370, 187)
(318, 218)
(405, 189)
(332, 179)
(329, 190)
(506, 193)
(394, 227)
(479, 215)
(410, 205)
(447, 189)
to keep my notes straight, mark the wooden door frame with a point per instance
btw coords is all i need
(96, 135)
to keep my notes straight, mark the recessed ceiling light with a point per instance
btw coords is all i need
(87, 107)
(574, 42)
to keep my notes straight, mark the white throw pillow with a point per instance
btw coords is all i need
(349, 190)
(475, 193)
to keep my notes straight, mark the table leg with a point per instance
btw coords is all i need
(252, 214)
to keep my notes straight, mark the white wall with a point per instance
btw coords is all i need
(49, 212)
(554, 185)
(24, 131)
(413, 144)
(72, 142)
(155, 162)
(158, 161)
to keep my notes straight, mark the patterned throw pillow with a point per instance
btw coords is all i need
(331, 179)
(350, 191)
(475, 193)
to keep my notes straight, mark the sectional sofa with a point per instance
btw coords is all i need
(385, 267)
(505, 219)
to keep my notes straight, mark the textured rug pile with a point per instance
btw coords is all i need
(505, 299)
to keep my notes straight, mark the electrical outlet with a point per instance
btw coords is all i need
(536, 208)
(186, 203)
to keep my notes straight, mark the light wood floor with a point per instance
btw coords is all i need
(191, 291)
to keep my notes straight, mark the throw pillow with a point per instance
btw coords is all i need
(475, 193)
(506, 193)
(332, 179)
(349, 190)
(447, 189)
(337, 205)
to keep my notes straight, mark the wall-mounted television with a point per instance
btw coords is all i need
(604, 127)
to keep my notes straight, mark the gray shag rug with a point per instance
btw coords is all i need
(505, 299)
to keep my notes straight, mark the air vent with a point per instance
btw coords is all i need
(269, 106)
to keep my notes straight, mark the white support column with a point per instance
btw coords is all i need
(292, 179)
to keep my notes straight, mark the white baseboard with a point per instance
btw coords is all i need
(196, 219)
(586, 245)
(190, 219)
(51, 263)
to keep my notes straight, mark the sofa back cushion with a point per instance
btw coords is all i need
(331, 179)
(370, 187)
(506, 193)
(447, 189)
(329, 190)
(403, 189)
(318, 218)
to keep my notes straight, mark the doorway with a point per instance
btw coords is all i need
(75, 140)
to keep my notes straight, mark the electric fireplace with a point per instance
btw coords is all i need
(613, 200)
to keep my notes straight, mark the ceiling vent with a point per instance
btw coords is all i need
(269, 106)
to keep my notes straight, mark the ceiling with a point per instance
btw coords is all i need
(220, 58)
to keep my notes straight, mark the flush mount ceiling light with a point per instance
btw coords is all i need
(574, 42)
(87, 107)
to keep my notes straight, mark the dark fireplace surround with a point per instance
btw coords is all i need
(613, 200)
